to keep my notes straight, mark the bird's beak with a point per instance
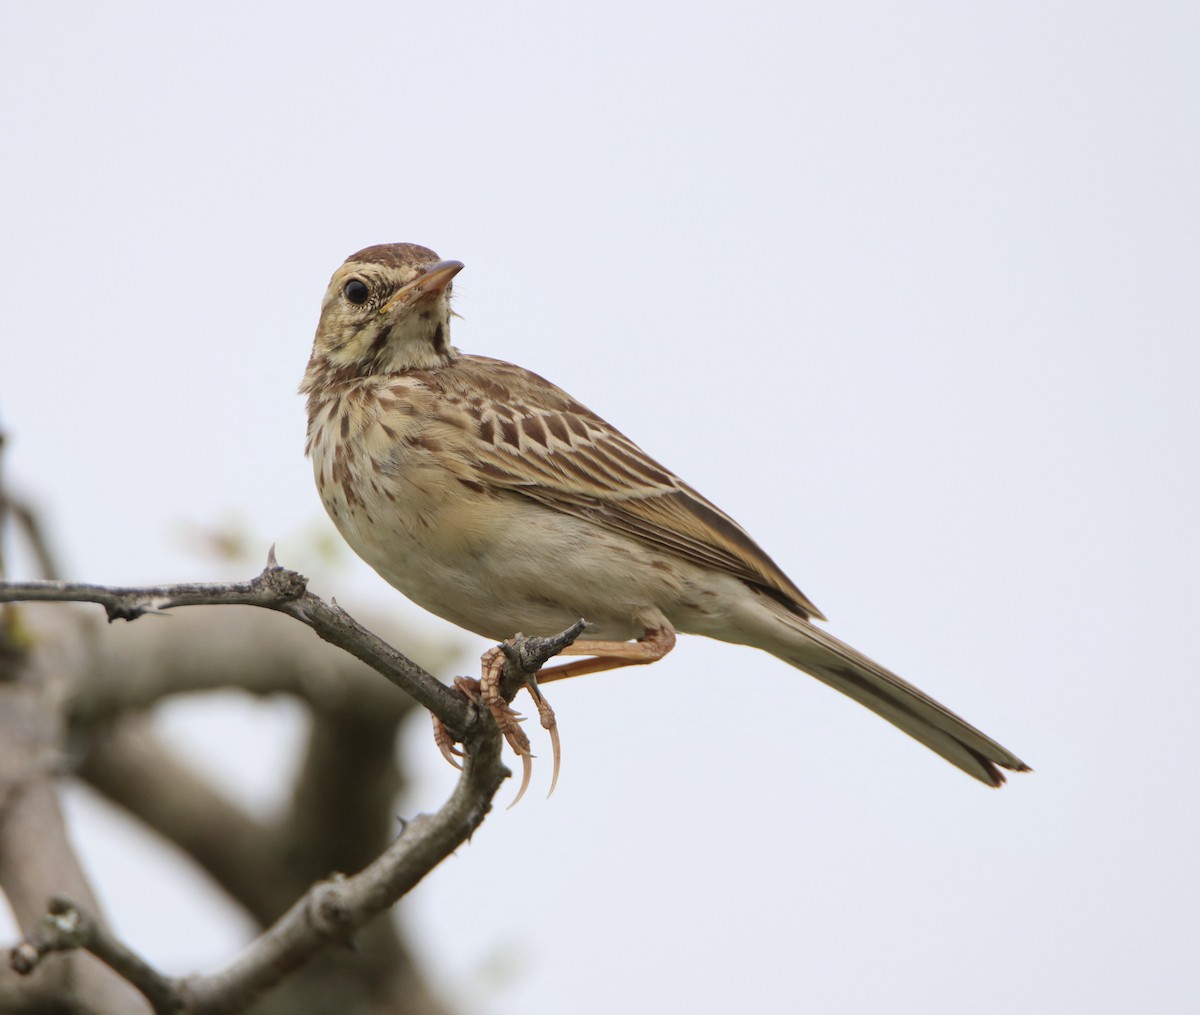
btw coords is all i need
(436, 277)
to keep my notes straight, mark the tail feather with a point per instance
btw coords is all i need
(835, 663)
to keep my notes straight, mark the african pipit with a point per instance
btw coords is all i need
(492, 498)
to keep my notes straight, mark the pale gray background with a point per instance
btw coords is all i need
(908, 289)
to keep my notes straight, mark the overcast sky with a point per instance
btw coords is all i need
(908, 289)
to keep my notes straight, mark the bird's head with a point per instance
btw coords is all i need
(387, 309)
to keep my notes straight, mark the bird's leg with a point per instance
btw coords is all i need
(488, 690)
(610, 655)
(602, 655)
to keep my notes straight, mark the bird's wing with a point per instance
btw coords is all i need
(534, 439)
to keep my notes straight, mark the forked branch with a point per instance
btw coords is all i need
(332, 910)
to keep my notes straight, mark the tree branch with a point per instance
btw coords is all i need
(332, 910)
(329, 912)
(66, 927)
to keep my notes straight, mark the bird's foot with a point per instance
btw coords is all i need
(508, 719)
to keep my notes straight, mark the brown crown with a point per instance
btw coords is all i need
(395, 255)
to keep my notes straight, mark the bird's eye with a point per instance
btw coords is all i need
(356, 292)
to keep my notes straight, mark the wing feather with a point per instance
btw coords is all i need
(548, 447)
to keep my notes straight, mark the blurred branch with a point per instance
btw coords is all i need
(328, 913)
(345, 786)
(279, 589)
(26, 519)
(36, 855)
(66, 927)
(214, 648)
(331, 911)
(129, 765)
(342, 810)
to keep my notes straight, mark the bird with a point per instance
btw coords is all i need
(495, 500)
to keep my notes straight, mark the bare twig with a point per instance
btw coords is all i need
(525, 656)
(67, 927)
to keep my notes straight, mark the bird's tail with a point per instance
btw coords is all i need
(813, 650)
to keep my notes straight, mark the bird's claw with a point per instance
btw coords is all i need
(445, 743)
(469, 688)
(550, 725)
(507, 718)
(556, 748)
